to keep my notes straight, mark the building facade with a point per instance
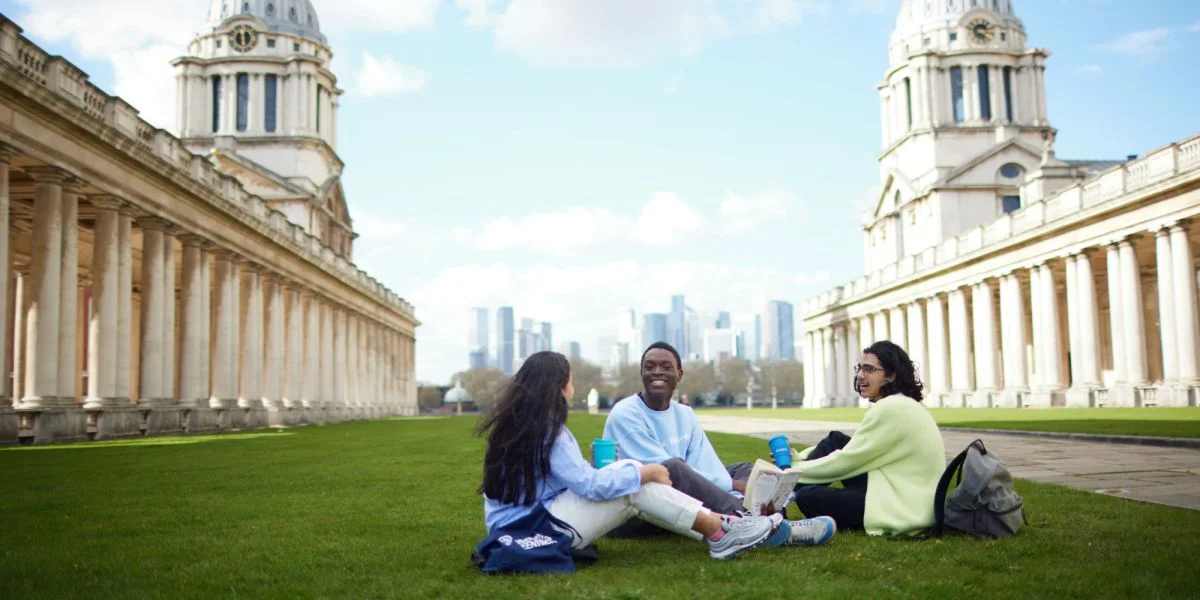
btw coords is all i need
(151, 289)
(779, 331)
(1012, 277)
(505, 340)
(477, 338)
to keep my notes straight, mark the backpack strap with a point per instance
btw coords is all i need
(943, 486)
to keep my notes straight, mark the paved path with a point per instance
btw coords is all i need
(1168, 476)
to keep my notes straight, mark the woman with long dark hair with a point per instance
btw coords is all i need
(890, 469)
(533, 460)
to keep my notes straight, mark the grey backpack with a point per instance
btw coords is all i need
(984, 502)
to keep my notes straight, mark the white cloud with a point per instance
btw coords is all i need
(1194, 27)
(382, 76)
(377, 16)
(1091, 69)
(773, 14)
(382, 243)
(609, 33)
(1139, 43)
(567, 297)
(666, 221)
(479, 12)
(878, 7)
(740, 214)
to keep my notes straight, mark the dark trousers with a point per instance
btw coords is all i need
(847, 505)
(685, 479)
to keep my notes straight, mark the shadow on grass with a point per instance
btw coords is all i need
(1176, 429)
(156, 441)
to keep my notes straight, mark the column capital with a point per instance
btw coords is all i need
(7, 152)
(1180, 226)
(272, 277)
(190, 239)
(73, 184)
(1162, 229)
(226, 255)
(106, 202)
(22, 268)
(130, 210)
(153, 223)
(48, 174)
(252, 267)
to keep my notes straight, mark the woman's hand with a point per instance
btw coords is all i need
(655, 474)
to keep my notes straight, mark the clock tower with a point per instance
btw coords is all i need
(255, 93)
(964, 123)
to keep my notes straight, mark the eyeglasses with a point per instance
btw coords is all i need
(868, 369)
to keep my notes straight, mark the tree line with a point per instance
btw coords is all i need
(721, 383)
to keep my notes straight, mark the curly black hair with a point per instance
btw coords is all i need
(895, 362)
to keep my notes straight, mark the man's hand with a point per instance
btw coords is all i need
(655, 474)
(739, 486)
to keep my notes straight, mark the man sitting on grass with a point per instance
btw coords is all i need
(649, 428)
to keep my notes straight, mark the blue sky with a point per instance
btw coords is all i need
(571, 157)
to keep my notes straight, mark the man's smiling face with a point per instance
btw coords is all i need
(660, 374)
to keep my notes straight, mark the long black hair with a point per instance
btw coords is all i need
(895, 362)
(521, 428)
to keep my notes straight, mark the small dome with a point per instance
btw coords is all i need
(287, 16)
(456, 394)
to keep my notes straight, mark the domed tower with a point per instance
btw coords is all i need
(255, 91)
(964, 122)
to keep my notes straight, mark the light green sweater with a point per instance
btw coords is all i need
(899, 447)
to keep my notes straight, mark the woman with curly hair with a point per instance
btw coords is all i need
(890, 468)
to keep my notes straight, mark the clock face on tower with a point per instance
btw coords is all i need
(981, 31)
(243, 38)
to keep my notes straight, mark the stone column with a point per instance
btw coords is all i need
(68, 307)
(880, 326)
(169, 306)
(250, 393)
(339, 362)
(352, 365)
(1089, 322)
(312, 363)
(1035, 316)
(985, 344)
(866, 331)
(1052, 346)
(830, 379)
(938, 373)
(193, 352)
(102, 317)
(897, 321)
(1012, 334)
(1116, 314)
(327, 377)
(124, 376)
(1131, 304)
(42, 291)
(960, 346)
(6, 155)
(274, 366)
(293, 392)
(915, 318)
(21, 274)
(840, 388)
(151, 390)
(807, 354)
(1187, 337)
(224, 329)
(1073, 341)
(206, 328)
(1166, 306)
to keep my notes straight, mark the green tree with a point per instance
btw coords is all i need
(699, 381)
(787, 377)
(629, 381)
(587, 376)
(733, 375)
(484, 386)
(429, 396)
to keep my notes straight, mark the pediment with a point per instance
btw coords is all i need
(885, 203)
(982, 169)
(333, 199)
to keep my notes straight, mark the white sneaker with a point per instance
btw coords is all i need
(812, 532)
(740, 535)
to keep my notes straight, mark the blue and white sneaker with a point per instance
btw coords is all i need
(740, 535)
(812, 532)
(781, 533)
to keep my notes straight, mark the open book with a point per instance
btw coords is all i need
(768, 484)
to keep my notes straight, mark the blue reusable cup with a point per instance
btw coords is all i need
(604, 452)
(781, 451)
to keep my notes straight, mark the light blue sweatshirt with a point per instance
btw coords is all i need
(653, 436)
(569, 471)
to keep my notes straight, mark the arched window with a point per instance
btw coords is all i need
(270, 9)
(310, 19)
(246, 8)
(292, 14)
(1011, 171)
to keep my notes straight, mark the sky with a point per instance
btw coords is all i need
(573, 157)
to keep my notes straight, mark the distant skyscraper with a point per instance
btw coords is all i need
(618, 355)
(677, 325)
(571, 350)
(749, 335)
(477, 338)
(723, 320)
(654, 329)
(778, 333)
(628, 331)
(504, 339)
(695, 324)
(546, 337)
(719, 344)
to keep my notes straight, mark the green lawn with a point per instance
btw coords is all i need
(387, 509)
(1166, 422)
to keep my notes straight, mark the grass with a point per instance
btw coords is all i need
(1165, 422)
(387, 509)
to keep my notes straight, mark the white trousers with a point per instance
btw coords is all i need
(656, 503)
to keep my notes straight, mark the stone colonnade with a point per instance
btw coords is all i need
(1113, 324)
(117, 321)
